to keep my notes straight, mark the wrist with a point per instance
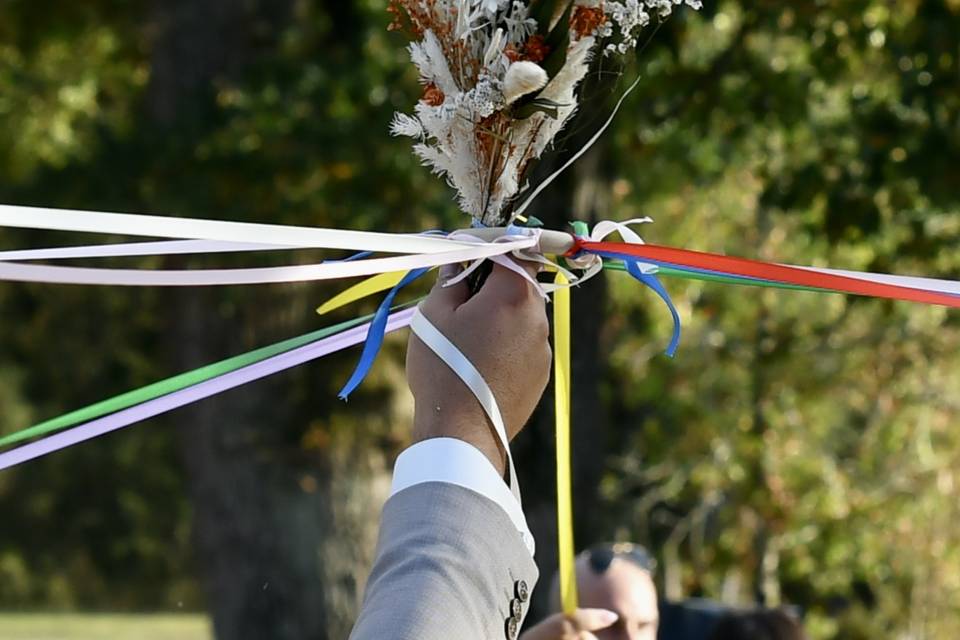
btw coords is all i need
(434, 422)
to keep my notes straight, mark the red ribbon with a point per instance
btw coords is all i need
(769, 271)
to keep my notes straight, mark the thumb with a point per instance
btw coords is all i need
(593, 619)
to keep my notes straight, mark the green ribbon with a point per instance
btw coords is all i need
(711, 277)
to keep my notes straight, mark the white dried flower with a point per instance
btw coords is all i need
(483, 99)
(404, 125)
(519, 25)
(631, 16)
(490, 7)
(429, 58)
(494, 49)
(523, 77)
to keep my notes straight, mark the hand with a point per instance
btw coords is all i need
(574, 627)
(503, 330)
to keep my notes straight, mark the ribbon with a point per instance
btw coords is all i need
(457, 252)
(650, 280)
(642, 272)
(503, 260)
(704, 276)
(375, 336)
(865, 284)
(283, 236)
(129, 249)
(208, 236)
(912, 282)
(361, 290)
(189, 395)
(561, 392)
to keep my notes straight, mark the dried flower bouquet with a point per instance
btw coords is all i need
(500, 80)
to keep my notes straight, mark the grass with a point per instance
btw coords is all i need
(68, 626)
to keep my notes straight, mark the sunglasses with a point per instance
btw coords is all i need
(601, 556)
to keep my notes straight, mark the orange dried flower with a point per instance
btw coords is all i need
(586, 20)
(483, 133)
(433, 96)
(406, 16)
(535, 49)
(396, 16)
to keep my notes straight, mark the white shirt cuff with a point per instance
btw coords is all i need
(456, 462)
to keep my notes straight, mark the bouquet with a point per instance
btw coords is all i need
(499, 83)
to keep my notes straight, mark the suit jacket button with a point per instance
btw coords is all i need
(516, 608)
(513, 627)
(523, 592)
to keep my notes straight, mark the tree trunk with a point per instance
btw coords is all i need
(283, 540)
(258, 519)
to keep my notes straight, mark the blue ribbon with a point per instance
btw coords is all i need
(375, 335)
(650, 280)
(356, 256)
(633, 268)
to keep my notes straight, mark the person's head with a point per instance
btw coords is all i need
(618, 577)
(760, 624)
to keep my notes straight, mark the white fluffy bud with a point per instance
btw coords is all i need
(523, 77)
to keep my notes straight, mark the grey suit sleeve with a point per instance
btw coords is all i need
(449, 566)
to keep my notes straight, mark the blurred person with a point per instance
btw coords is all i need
(758, 624)
(617, 596)
(454, 558)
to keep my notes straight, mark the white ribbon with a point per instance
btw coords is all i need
(263, 275)
(913, 282)
(196, 229)
(590, 264)
(216, 236)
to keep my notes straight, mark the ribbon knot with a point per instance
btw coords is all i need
(580, 256)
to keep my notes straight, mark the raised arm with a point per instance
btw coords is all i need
(454, 558)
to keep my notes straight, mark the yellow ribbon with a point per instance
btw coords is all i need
(561, 355)
(370, 286)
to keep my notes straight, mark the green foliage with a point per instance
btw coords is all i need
(801, 447)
